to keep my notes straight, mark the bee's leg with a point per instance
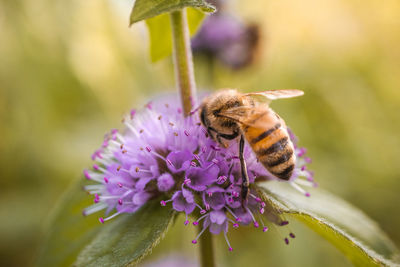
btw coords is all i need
(209, 132)
(245, 177)
(219, 140)
(229, 136)
(226, 137)
(216, 136)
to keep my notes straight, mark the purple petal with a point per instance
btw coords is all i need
(180, 161)
(216, 228)
(189, 208)
(140, 198)
(243, 215)
(200, 178)
(232, 197)
(179, 203)
(188, 195)
(141, 183)
(217, 217)
(214, 197)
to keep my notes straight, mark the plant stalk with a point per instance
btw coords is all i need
(182, 54)
(206, 249)
(184, 74)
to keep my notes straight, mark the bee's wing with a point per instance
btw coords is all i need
(244, 114)
(266, 97)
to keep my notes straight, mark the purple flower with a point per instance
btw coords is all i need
(183, 201)
(217, 221)
(163, 154)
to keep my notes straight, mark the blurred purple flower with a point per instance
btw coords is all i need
(172, 260)
(163, 154)
(226, 38)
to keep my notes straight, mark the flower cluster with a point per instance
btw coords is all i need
(162, 154)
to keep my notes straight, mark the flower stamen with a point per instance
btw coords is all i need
(198, 236)
(298, 188)
(227, 241)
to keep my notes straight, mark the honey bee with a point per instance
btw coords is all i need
(228, 114)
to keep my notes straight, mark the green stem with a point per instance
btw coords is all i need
(183, 60)
(187, 89)
(206, 249)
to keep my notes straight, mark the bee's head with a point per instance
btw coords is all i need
(218, 102)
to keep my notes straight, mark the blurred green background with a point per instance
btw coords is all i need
(69, 70)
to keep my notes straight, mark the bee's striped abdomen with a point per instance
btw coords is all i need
(274, 150)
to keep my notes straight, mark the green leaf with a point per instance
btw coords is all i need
(69, 231)
(128, 238)
(160, 32)
(195, 17)
(145, 9)
(346, 227)
(160, 37)
(125, 239)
